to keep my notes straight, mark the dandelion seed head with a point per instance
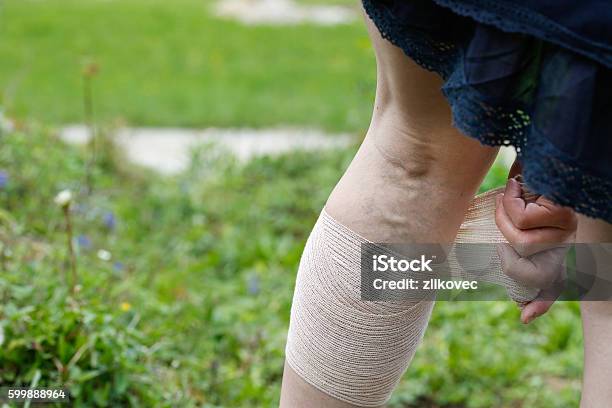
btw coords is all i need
(63, 198)
(104, 255)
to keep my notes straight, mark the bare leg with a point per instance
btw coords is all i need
(597, 329)
(411, 181)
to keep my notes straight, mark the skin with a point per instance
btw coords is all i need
(412, 181)
(597, 328)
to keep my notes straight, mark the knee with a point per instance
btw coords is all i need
(423, 142)
(404, 150)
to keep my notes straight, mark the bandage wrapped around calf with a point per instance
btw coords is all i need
(355, 350)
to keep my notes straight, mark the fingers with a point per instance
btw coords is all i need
(541, 270)
(541, 213)
(544, 270)
(542, 303)
(535, 309)
(528, 241)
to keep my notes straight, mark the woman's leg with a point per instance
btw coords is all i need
(597, 328)
(411, 180)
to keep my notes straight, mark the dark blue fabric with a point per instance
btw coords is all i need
(536, 75)
(583, 26)
(589, 19)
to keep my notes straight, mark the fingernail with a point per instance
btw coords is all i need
(530, 318)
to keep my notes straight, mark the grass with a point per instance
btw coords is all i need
(173, 64)
(193, 306)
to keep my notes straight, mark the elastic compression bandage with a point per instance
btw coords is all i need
(355, 350)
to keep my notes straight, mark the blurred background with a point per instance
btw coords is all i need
(161, 166)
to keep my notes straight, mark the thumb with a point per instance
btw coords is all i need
(540, 304)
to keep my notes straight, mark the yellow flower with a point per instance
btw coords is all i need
(125, 306)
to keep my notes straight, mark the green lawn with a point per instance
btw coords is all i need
(170, 63)
(193, 306)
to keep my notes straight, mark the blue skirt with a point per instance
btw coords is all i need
(533, 74)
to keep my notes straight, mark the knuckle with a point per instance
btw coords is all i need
(521, 221)
(512, 270)
(531, 239)
(523, 244)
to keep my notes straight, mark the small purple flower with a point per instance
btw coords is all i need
(109, 220)
(118, 266)
(4, 179)
(78, 208)
(253, 285)
(83, 242)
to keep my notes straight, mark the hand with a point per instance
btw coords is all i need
(538, 232)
